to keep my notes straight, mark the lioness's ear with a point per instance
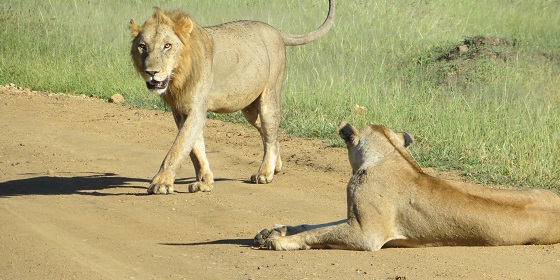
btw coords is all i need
(134, 28)
(348, 133)
(185, 25)
(407, 139)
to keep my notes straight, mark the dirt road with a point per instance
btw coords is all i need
(73, 205)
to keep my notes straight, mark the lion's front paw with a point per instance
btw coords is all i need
(160, 189)
(261, 179)
(161, 184)
(266, 237)
(200, 187)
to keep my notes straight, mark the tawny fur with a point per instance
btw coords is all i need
(236, 66)
(393, 203)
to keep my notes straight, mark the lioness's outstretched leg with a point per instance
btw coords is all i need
(338, 236)
(290, 230)
(264, 115)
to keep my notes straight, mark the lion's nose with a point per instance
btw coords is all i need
(152, 73)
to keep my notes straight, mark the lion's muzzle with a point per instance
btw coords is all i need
(155, 85)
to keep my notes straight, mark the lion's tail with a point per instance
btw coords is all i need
(302, 39)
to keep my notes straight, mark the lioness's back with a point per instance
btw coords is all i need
(517, 198)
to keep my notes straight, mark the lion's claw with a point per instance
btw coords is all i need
(260, 179)
(160, 189)
(200, 187)
(263, 237)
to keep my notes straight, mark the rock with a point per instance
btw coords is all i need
(358, 109)
(116, 98)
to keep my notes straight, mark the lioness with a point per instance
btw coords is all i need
(393, 203)
(225, 68)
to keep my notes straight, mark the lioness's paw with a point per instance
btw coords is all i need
(200, 187)
(261, 179)
(160, 189)
(265, 237)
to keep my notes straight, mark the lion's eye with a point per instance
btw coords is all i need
(167, 46)
(142, 47)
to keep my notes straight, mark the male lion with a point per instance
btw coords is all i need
(392, 203)
(225, 68)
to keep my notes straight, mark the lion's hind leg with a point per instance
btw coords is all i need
(264, 115)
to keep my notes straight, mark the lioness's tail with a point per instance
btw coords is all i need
(302, 39)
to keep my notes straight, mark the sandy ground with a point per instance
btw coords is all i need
(73, 205)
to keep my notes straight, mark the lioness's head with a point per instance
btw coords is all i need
(158, 45)
(372, 143)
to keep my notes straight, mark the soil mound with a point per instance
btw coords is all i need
(469, 62)
(480, 47)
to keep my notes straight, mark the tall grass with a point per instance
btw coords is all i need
(502, 125)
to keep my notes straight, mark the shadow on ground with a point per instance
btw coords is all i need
(240, 242)
(89, 184)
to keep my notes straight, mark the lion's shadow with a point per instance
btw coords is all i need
(90, 183)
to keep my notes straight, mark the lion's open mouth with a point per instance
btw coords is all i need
(153, 84)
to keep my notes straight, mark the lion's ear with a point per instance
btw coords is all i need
(407, 139)
(348, 133)
(184, 26)
(134, 28)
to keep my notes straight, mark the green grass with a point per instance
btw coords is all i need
(495, 121)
